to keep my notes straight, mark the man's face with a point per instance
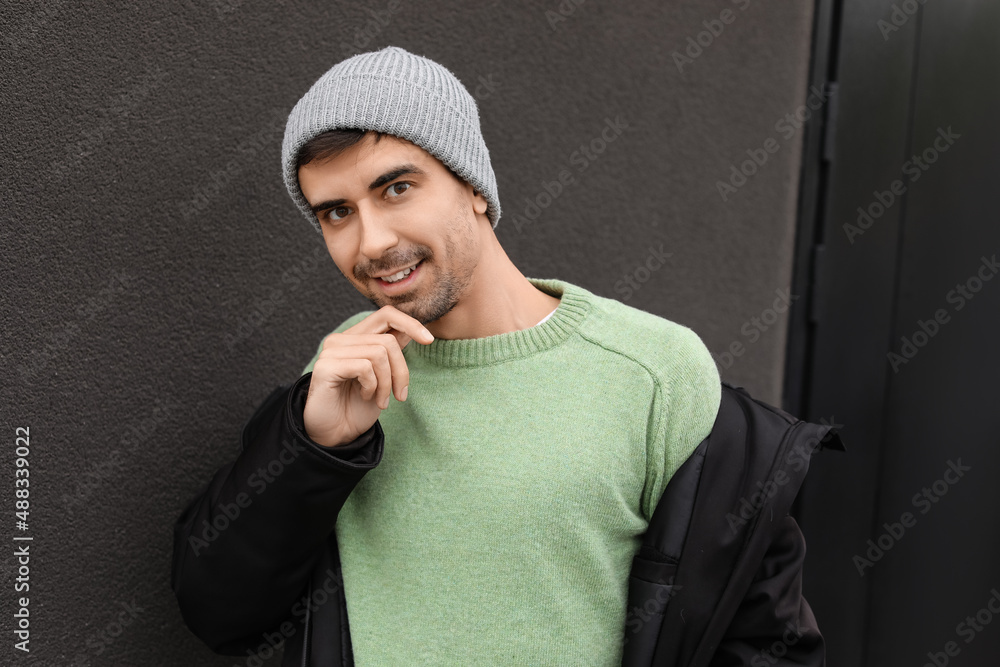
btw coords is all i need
(387, 206)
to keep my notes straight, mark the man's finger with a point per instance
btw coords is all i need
(394, 321)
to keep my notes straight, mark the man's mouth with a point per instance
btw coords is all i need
(396, 277)
(400, 279)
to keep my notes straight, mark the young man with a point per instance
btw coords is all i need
(466, 471)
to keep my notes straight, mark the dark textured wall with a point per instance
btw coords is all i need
(157, 281)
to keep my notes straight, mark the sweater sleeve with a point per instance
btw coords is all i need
(246, 546)
(684, 408)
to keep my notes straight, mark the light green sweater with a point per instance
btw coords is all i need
(517, 480)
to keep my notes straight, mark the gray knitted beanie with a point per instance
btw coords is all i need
(402, 94)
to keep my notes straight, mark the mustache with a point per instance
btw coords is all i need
(383, 265)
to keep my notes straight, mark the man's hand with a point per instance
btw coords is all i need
(355, 372)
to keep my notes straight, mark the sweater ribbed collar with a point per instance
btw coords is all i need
(574, 305)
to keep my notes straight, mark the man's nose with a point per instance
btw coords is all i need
(377, 232)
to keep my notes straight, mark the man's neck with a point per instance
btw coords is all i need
(498, 300)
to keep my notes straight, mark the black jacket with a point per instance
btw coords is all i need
(256, 562)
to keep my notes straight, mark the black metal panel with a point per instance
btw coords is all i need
(942, 410)
(911, 82)
(817, 153)
(852, 314)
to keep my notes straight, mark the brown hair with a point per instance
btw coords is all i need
(330, 144)
(334, 142)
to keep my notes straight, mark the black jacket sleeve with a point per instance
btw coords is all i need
(774, 625)
(245, 548)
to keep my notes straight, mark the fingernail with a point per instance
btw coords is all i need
(402, 394)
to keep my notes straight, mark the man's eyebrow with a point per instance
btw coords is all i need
(387, 177)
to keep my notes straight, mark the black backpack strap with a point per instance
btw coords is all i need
(651, 579)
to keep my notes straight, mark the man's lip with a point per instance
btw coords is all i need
(395, 271)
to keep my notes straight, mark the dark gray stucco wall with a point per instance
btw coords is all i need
(157, 282)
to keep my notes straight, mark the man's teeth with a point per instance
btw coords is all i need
(399, 276)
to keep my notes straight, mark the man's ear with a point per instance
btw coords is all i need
(479, 204)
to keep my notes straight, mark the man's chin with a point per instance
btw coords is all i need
(421, 312)
(430, 308)
(404, 304)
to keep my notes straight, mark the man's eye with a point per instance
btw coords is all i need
(397, 189)
(337, 213)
